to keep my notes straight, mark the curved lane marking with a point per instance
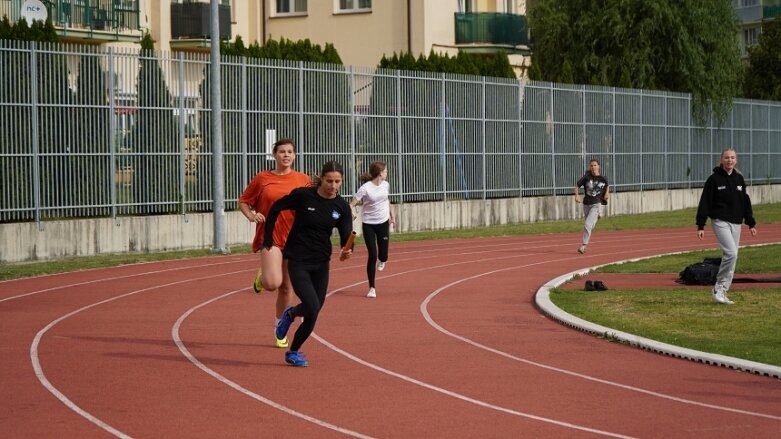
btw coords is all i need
(39, 373)
(221, 378)
(108, 279)
(430, 320)
(59, 395)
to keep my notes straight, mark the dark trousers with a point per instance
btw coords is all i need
(377, 237)
(310, 282)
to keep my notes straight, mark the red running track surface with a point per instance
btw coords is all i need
(452, 347)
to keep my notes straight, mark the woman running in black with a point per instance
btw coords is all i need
(308, 250)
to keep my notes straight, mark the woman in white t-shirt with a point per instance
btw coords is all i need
(376, 218)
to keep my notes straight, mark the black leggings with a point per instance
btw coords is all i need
(310, 282)
(376, 237)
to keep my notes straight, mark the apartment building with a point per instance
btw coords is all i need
(361, 30)
(751, 14)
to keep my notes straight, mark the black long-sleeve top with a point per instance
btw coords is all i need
(724, 197)
(316, 217)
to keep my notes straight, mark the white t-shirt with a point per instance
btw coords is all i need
(376, 207)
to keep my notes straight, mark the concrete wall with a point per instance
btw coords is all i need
(25, 242)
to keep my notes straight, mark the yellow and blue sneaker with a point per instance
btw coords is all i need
(258, 285)
(281, 343)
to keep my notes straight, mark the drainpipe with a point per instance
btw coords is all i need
(409, 27)
(263, 22)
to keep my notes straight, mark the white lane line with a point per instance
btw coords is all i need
(34, 347)
(430, 320)
(39, 373)
(449, 392)
(221, 378)
(132, 264)
(111, 279)
(464, 397)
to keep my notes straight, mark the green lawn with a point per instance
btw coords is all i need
(679, 316)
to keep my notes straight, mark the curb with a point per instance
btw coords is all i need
(542, 299)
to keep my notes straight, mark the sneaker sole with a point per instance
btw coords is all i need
(281, 343)
(293, 363)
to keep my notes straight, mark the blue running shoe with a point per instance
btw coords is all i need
(295, 358)
(284, 323)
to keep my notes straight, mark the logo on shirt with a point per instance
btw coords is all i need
(335, 215)
(740, 188)
(721, 188)
(311, 209)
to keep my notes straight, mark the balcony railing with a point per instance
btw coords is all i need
(193, 20)
(491, 28)
(771, 11)
(96, 15)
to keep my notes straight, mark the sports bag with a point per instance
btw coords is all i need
(701, 273)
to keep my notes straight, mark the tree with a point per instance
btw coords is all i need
(687, 46)
(16, 141)
(91, 143)
(271, 98)
(156, 134)
(763, 74)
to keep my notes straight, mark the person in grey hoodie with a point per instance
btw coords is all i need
(725, 200)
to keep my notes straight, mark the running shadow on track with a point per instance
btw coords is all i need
(153, 342)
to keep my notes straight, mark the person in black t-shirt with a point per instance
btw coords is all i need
(595, 194)
(308, 250)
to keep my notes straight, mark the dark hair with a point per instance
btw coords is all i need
(375, 169)
(331, 166)
(588, 170)
(281, 142)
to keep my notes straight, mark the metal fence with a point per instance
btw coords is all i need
(107, 133)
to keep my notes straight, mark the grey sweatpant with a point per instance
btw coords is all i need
(591, 212)
(728, 235)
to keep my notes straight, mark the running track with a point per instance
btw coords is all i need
(453, 347)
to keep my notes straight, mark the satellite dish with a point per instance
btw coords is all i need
(34, 10)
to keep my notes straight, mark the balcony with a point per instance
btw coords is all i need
(749, 14)
(191, 25)
(770, 11)
(94, 21)
(492, 30)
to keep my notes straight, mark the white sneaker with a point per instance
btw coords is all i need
(721, 297)
(380, 266)
(372, 294)
(582, 249)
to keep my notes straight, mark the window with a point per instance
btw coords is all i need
(291, 7)
(355, 5)
(509, 6)
(750, 37)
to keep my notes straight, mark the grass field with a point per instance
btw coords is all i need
(748, 329)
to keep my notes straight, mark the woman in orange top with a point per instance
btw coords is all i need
(264, 189)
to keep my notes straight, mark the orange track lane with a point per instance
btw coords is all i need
(452, 347)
